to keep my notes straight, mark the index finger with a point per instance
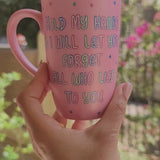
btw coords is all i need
(30, 100)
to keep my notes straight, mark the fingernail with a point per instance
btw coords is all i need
(40, 64)
(127, 90)
(62, 125)
(39, 67)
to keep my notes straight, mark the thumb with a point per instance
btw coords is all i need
(114, 114)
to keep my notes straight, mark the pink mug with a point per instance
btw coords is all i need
(82, 48)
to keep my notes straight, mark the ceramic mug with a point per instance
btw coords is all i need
(82, 48)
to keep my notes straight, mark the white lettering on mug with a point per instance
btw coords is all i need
(58, 78)
(51, 23)
(63, 42)
(112, 41)
(72, 97)
(82, 78)
(78, 22)
(83, 60)
(92, 97)
(105, 23)
(106, 77)
(95, 41)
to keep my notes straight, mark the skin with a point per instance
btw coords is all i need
(53, 141)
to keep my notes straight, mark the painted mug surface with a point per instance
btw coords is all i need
(82, 48)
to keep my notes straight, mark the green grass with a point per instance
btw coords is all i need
(132, 156)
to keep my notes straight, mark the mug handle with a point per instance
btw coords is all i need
(12, 36)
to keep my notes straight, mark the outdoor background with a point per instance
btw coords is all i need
(139, 63)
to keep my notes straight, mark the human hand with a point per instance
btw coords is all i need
(52, 141)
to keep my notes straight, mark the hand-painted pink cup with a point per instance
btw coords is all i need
(82, 47)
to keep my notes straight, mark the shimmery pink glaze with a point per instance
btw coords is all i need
(65, 93)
